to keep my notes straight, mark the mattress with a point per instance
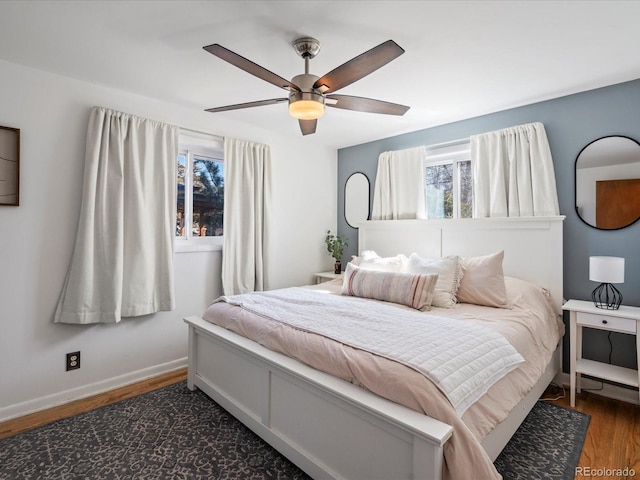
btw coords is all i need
(529, 324)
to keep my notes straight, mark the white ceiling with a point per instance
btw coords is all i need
(463, 58)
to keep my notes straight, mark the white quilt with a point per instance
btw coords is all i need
(461, 358)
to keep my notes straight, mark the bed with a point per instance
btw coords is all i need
(332, 428)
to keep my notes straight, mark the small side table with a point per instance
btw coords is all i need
(586, 314)
(327, 276)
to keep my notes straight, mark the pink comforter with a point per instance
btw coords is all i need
(530, 325)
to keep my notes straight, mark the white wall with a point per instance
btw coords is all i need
(36, 241)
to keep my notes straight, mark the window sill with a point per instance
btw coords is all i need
(193, 247)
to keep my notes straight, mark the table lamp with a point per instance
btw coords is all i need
(607, 270)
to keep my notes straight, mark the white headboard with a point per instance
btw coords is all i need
(532, 245)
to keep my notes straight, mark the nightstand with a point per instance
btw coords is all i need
(586, 314)
(326, 276)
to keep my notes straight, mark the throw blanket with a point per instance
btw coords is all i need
(462, 359)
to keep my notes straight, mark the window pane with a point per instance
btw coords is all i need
(466, 189)
(208, 197)
(439, 185)
(182, 169)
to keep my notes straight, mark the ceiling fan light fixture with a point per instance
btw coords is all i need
(306, 109)
(306, 105)
(308, 92)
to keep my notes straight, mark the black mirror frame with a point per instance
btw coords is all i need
(344, 212)
(575, 183)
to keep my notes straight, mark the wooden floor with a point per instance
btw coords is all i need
(612, 443)
(613, 438)
(38, 419)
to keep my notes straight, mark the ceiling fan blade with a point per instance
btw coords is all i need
(359, 67)
(366, 105)
(308, 126)
(249, 66)
(238, 106)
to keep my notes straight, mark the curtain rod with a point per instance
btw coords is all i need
(448, 143)
(199, 132)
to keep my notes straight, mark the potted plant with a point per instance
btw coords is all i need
(335, 246)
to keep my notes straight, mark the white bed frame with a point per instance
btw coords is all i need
(333, 429)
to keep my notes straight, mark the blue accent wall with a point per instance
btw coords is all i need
(571, 123)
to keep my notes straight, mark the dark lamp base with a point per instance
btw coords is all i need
(606, 296)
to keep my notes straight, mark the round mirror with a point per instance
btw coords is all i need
(608, 183)
(356, 199)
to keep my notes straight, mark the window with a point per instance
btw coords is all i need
(449, 182)
(200, 202)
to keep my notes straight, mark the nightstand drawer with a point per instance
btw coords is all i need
(606, 322)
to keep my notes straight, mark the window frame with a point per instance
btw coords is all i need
(448, 155)
(207, 147)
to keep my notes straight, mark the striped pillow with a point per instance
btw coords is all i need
(449, 272)
(411, 289)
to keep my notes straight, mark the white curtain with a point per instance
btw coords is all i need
(513, 173)
(399, 188)
(247, 200)
(122, 262)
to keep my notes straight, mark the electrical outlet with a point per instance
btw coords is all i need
(73, 361)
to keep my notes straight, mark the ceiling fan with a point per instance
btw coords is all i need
(308, 93)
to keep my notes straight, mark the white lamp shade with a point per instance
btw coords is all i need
(606, 269)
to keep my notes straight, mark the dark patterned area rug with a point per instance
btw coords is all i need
(170, 433)
(173, 433)
(547, 445)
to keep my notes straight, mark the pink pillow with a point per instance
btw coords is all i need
(482, 281)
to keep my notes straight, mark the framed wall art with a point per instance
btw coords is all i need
(9, 166)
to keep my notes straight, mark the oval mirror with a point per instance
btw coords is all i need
(356, 199)
(608, 183)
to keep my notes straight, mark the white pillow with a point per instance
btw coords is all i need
(483, 281)
(412, 290)
(370, 260)
(366, 255)
(449, 272)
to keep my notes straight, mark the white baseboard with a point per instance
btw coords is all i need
(608, 390)
(60, 398)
